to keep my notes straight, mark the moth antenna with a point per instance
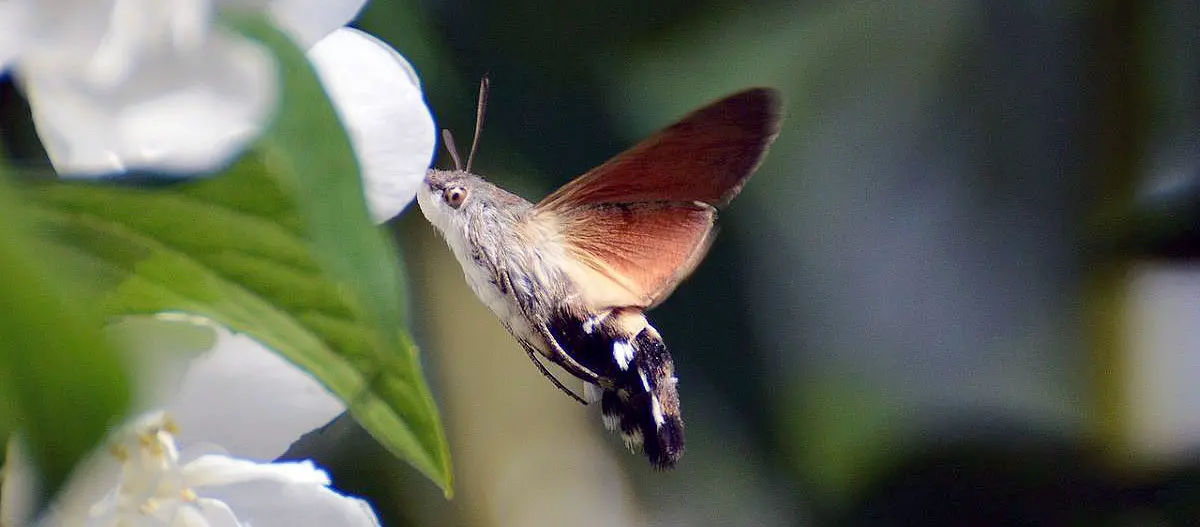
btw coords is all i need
(448, 138)
(480, 110)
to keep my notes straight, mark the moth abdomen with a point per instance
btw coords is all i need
(643, 406)
(638, 395)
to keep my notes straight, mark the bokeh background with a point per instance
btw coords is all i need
(960, 291)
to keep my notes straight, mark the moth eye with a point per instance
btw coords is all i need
(455, 196)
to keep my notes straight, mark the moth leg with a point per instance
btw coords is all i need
(557, 355)
(566, 361)
(550, 376)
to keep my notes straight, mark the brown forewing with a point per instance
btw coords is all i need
(707, 156)
(641, 222)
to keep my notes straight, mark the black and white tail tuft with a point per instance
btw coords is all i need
(643, 404)
(637, 393)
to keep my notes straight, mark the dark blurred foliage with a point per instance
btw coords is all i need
(911, 316)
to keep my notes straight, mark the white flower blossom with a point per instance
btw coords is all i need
(137, 84)
(119, 85)
(157, 485)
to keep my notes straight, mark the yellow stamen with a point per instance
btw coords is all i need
(170, 426)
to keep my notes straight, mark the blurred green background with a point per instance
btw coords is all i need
(959, 292)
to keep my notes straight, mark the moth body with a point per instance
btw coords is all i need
(519, 271)
(572, 276)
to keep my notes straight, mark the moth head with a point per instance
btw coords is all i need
(457, 201)
(447, 197)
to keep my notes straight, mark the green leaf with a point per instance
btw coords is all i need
(280, 247)
(62, 383)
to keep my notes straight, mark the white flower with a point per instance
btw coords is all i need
(130, 84)
(156, 84)
(146, 84)
(144, 480)
(225, 394)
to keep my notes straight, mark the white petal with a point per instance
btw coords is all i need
(14, 22)
(378, 96)
(65, 29)
(267, 504)
(208, 471)
(160, 349)
(169, 111)
(217, 514)
(248, 400)
(309, 21)
(204, 513)
(92, 480)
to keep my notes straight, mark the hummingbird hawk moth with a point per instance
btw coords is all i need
(572, 276)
